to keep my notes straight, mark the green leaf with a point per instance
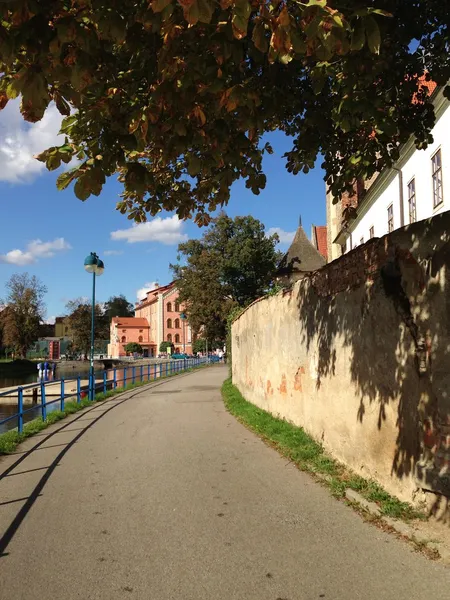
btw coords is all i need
(160, 5)
(205, 11)
(66, 178)
(194, 166)
(373, 35)
(358, 36)
(80, 190)
(259, 37)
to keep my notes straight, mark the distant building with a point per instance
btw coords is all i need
(62, 328)
(413, 189)
(158, 318)
(301, 259)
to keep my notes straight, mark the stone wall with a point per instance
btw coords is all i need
(358, 354)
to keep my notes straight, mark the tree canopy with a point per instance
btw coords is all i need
(80, 315)
(133, 348)
(24, 311)
(118, 306)
(231, 265)
(176, 95)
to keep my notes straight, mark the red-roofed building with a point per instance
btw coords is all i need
(158, 318)
(319, 239)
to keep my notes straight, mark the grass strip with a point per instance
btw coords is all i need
(11, 439)
(294, 443)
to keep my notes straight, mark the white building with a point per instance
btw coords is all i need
(416, 188)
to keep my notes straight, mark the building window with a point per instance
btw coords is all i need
(141, 339)
(169, 337)
(169, 323)
(141, 330)
(124, 330)
(372, 232)
(177, 338)
(438, 194)
(177, 324)
(169, 307)
(390, 218)
(124, 339)
(177, 307)
(412, 200)
(361, 241)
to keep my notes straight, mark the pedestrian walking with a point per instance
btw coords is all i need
(46, 367)
(40, 369)
(54, 371)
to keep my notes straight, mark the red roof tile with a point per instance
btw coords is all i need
(320, 239)
(130, 321)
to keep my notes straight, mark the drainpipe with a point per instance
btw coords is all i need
(400, 186)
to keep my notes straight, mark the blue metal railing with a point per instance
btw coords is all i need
(73, 388)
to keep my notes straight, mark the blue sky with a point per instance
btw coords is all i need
(48, 233)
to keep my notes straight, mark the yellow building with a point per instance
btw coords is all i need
(62, 328)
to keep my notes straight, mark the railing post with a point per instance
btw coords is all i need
(160, 370)
(43, 402)
(148, 372)
(62, 394)
(141, 373)
(115, 378)
(78, 389)
(124, 377)
(104, 382)
(133, 379)
(20, 409)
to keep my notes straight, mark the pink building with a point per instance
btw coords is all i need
(158, 318)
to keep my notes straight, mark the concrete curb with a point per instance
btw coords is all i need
(398, 526)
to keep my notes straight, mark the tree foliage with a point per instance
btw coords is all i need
(164, 346)
(118, 306)
(176, 95)
(80, 316)
(231, 265)
(24, 311)
(133, 348)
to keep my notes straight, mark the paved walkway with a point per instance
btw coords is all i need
(160, 494)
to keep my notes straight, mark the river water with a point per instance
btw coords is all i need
(67, 372)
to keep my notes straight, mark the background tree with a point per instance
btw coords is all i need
(231, 265)
(118, 306)
(23, 313)
(166, 89)
(79, 315)
(200, 345)
(164, 346)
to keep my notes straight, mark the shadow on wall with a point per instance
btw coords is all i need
(394, 321)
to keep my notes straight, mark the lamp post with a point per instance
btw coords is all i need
(94, 265)
(183, 317)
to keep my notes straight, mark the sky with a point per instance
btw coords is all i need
(49, 233)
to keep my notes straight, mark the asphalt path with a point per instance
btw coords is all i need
(160, 494)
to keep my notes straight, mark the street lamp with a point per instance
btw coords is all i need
(94, 265)
(183, 317)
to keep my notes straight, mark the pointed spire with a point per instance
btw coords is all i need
(300, 221)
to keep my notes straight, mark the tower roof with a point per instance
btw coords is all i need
(302, 256)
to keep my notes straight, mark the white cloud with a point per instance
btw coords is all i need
(20, 140)
(35, 250)
(50, 321)
(112, 252)
(286, 237)
(166, 231)
(147, 287)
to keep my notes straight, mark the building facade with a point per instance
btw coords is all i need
(159, 317)
(417, 187)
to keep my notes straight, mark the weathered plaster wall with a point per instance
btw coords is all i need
(359, 355)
